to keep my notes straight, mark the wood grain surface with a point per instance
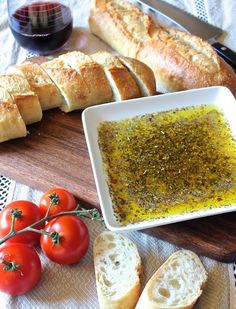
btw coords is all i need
(54, 154)
(213, 236)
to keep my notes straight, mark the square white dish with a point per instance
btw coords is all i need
(93, 116)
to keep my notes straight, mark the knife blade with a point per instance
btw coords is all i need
(187, 22)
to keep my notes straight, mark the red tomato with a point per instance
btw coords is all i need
(30, 213)
(59, 199)
(20, 268)
(73, 240)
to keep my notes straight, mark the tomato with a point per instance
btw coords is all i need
(59, 199)
(73, 240)
(30, 213)
(20, 268)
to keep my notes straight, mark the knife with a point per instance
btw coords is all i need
(187, 22)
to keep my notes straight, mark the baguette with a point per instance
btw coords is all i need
(48, 94)
(70, 83)
(177, 284)
(142, 74)
(117, 269)
(11, 122)
(25, 99)
(93, 75)
(122, 83)
(179, 60)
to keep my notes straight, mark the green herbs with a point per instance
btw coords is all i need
(169, 163)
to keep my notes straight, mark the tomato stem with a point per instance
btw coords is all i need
(15, 213)
(55, 199)
(55, 238)
(92, 214)
(47, 212)
(9, 266)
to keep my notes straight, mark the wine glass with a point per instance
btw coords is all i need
(41, 27)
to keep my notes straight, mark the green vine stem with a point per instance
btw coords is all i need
(92, 214)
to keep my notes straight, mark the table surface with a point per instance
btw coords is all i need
(220, 13)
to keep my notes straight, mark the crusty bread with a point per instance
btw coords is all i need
(177, 284)
(48, 94)
(122, 83)
(93, 75)
(25, 99)
(117, 269)
(11, 122)
(70, 83)
(120, 24)
(179, 60)
(142, 74)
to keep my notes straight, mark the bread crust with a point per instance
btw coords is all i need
(93, 75)
(11, 122)
(142, 74)
(25, 99)
(106, 22)
(118, 75)
(179, 60)
(69, 82)
(48, 94)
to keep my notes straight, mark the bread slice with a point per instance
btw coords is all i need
(142, 74)
(48, 94)
(117, 269)
(177, 284)
(93, 75)
(11, 122)
(25, 99)
(122, 83)
(70, 83)
(179, 60)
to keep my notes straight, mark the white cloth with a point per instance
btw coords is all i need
(74, 286)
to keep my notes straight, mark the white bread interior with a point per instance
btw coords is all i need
(117, 269)
(177, 284)
(11, 122)
(142, 74)
(123, 85)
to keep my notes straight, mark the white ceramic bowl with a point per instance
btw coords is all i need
(92, 116)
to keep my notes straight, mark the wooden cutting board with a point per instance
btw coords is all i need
(54, 154)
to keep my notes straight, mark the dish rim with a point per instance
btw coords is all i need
(92, 116)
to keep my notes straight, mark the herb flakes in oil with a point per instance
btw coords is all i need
(169, 163)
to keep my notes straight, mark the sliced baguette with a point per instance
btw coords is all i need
(11, 122)
(121, 81)
(70, 83)
(177, 284)
(25, 99)
(179, 60)
(93, 75)
(117, 269)
(48, 94)
(142, 74)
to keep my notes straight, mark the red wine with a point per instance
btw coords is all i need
(42, 27)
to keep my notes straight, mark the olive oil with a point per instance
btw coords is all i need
(169, 163)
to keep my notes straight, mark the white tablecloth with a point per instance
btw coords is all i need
(74, 286)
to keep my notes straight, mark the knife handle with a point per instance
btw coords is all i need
(226, 53)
